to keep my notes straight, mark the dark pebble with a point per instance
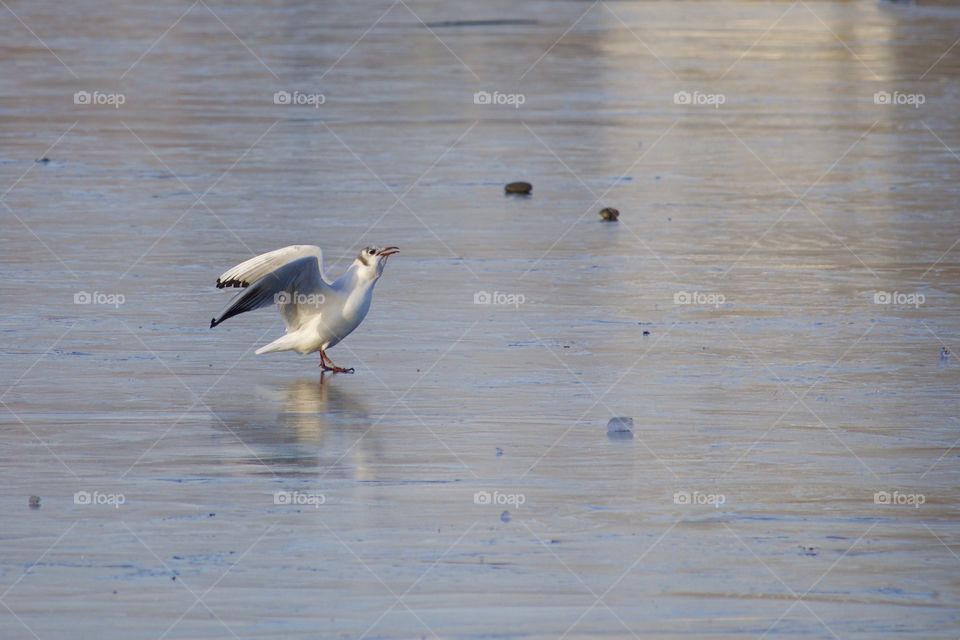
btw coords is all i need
(34, 502)
(609, 214)
(505, 516)
(43, 160)
(521, 188)
(646, 333)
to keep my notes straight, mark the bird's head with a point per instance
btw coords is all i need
(370, 262)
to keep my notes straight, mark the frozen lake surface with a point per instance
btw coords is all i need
(776, 311)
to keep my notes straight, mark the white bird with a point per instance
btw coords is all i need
(318, 313)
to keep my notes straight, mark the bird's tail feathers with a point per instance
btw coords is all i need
(285, 343)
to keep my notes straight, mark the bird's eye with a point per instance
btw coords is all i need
(370, 251)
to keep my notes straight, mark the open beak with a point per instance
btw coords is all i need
(388, 251)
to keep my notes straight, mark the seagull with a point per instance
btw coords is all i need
(318, 313)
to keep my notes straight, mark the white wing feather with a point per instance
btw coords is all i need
(246, 273)
(297, 286)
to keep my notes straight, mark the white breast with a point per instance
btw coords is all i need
(337, 324)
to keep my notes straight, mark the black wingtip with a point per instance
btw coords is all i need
(213, 323)
(236, 284)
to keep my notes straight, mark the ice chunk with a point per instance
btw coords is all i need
(620, 428)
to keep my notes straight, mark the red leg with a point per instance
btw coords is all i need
(328, 365)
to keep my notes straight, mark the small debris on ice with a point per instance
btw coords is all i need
(620, 428)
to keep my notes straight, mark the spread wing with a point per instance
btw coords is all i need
(246, 273)
(297, 287)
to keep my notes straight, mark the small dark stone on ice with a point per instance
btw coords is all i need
(505, 516)
(499, 452)
(34, 502)
(521, 188)
(645, 332)
(620, 424)
(43, 160)
(609, 214)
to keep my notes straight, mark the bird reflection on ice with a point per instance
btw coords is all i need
(304, 428)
